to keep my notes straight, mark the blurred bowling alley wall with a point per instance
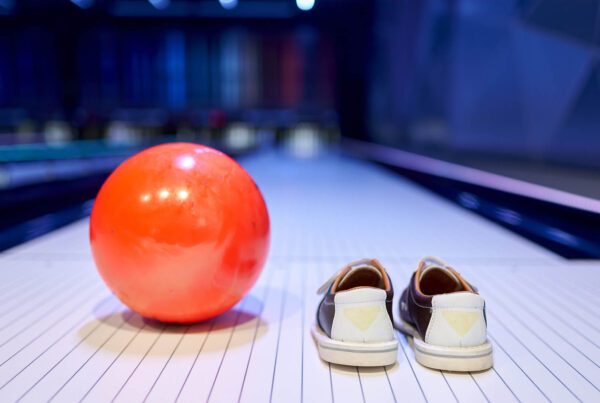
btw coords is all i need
(86, 83)
(122, 69)
(502, 78)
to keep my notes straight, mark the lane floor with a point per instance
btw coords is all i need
(64, 337)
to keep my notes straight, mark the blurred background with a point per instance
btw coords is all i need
(508, 87)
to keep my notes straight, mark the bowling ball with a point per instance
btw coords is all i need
(179, 232)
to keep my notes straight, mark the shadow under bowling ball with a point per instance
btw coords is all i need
(119, 330)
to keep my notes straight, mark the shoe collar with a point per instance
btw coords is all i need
(335, 280)
(430, 263)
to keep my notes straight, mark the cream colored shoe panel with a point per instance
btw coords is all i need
(361, 316)
(457, 320)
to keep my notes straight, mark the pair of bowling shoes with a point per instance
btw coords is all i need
(439, 309)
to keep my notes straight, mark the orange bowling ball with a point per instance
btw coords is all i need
(179, 232)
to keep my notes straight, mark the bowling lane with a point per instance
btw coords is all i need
(63, 337)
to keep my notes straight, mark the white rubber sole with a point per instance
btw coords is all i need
(459, 359)
(354, 354)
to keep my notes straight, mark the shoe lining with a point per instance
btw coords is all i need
(364, 277)
(438, 281)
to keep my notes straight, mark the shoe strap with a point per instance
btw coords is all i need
(358, 264)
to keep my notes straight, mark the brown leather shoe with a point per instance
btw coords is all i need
(446, 317)
(354, 323)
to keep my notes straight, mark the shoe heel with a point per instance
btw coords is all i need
(458, 359)
(353, 353)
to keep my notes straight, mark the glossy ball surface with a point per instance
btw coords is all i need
(179, 232)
